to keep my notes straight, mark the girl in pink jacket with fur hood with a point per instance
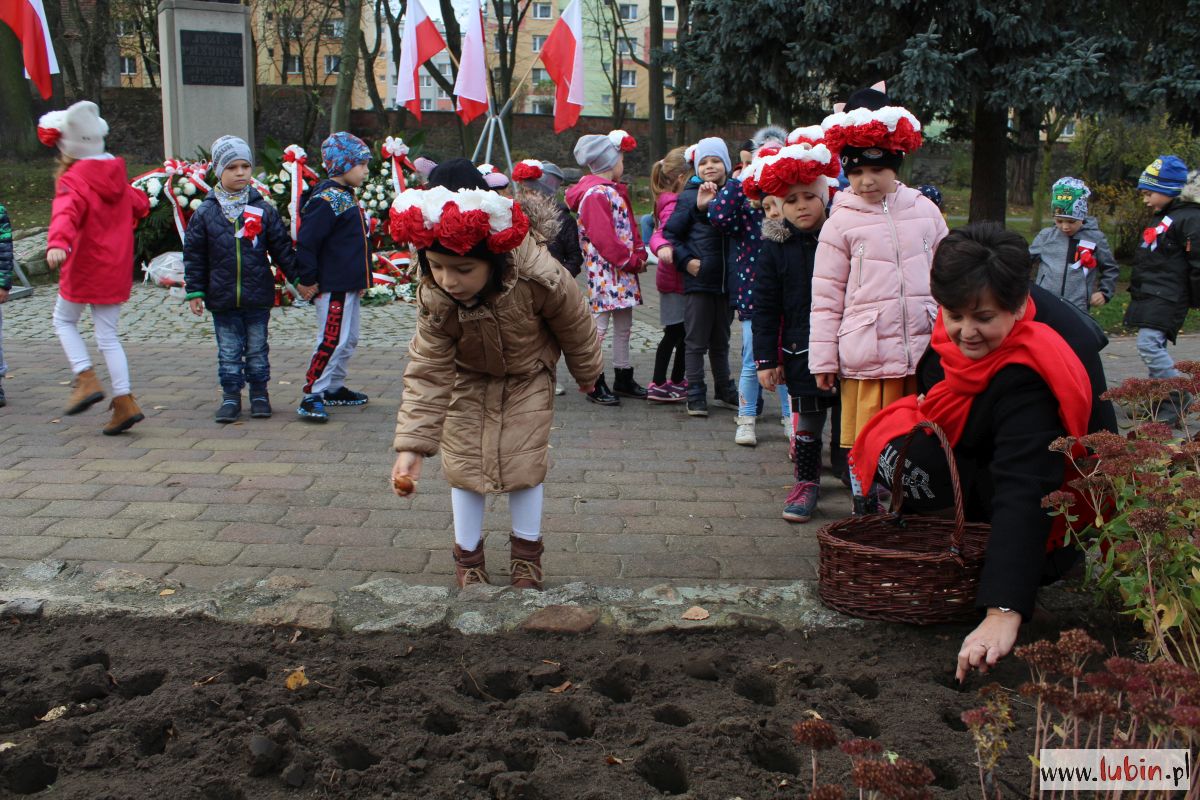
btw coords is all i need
(872, 311)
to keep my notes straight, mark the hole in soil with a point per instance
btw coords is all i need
(863, 728)
(945, 775)
(23, 715)
(755, 688)
(672, 715)
(369, 675)
(30, 774)
(620, 680)
(241, 672)
(664, 770)
(523, 760)
(288, 715)
(352, 755)
(864, 686)
(142, 684)
(499, 684)
(773, 755)
(95, 657)
(222, 790)
(953, 720)
(572, 720)
(440, 722)
(152, 738)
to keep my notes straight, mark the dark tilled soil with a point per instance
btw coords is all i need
(195, 709)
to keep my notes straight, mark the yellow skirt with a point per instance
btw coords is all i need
(863, 399)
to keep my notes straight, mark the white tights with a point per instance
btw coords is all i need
(104, 321)
(622, 326)
(525, 504)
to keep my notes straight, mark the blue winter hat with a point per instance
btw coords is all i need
(932, 192)
(712, 146)
(1165, 175)
(342, 151)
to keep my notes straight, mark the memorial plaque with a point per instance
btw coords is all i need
(210, 58)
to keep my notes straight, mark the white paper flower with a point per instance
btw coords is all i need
(278, 188)
(189, 188)
(181, 200)
(153, 186)
(284, 175)
(153, 200)
(195, 204)
(386, 168)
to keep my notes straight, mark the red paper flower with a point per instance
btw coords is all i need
(508, 239)
(1150, 236)
(905, 138)
(49, 136)
(526, 172)
(460, 231)
(780, 176)
(1084, 256)
(871, 134)
(251, 226)
(628, 143)
(409, 226)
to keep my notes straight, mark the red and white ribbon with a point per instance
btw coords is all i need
(192, 171)
(295, 161)
(1085, 255)
(1150, 235)
(395, 149)
(251, 224)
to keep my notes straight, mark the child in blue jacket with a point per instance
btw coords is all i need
(225, 267)
(334, 252)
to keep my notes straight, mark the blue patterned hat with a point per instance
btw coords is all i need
(342, 151)
(1165, 175)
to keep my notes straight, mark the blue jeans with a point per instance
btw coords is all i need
(646, 221)
(242, 348)
(748, 389)
(1152, 347)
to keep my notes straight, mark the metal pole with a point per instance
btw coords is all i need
(504, 138)
(487, 122)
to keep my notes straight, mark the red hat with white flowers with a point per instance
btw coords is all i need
(803, 163)
(871, 131)
(528, 170)
(467, 221)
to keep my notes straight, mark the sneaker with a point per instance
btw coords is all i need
(559, 391)
(786, 421)
(229, 410)
(260, 407)
(727, 399)
(745, 435)
(697, 408)
(345, 397)
(666, 392)
(312, 409)
(801, 502)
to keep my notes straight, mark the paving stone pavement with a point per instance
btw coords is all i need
(637, 495)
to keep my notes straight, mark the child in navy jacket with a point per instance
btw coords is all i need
(334, 252)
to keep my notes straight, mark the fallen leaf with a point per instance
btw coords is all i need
(285, 383)
(64, 383)
(296, 636)
(160, 408)
(551, 663)
(52, 714)
(208, 680)
(560, 689)
(408, 652)
(695, 613)
(783, 783)
(55, 421)
(296, 679)
(613, 760)
(812, 714)
(166, 593)
(7, 746)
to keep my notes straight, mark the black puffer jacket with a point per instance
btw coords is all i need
(692, 236)
(1163, 277)
(565, 244)
(229, 272)
(6, 250)
(783, 298)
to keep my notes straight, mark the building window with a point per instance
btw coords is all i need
(506, 9)
(128, 65)
(1069, 129)
(500, 42)
(426, 81)
(626, 47)
(668, 13)
(442, 94)
(426, 104)
(668, 112)
(538, 43)
(628, 11)
(668, 46)
(629, 109)
(292, 65)
(542, 107)
(333, 28)
(271, 52)
(333, 65)
(628, 78)
(542, 11)
(124, 27)
(669, 79)
(292, 28)
(606, 100)
(539, 75)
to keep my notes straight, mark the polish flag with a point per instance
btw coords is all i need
(420, 42)
(27, 18)
(563, 56)
(471, 86)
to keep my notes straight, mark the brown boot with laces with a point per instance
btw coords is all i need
(469, 567)
(525, 568)
(86, 391)
(125, 414)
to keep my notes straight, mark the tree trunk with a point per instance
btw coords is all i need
(989, 160)
(658, 124)
(16, 103)
(1023, 165)
(683, 27)
(339, 118)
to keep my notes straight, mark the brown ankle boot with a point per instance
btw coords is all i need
(125, 414)
(525, 568)
(87, 392)
(469, 567)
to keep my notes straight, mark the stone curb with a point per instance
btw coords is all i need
(55, 588)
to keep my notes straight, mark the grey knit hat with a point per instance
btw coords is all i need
(596, 152)
(713, 146)
(228, 149)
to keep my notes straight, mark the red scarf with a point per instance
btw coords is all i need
(1032, 344)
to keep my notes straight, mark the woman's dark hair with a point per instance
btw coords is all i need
(982, 256)
(498, 265)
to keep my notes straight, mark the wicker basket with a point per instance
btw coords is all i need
(916, 569)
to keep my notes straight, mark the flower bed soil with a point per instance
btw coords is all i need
(198, 709)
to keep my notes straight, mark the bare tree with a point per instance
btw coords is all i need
(303, 30)
(139, 18)
(369, 54)
(94, 31)
(16, 103)
(348, 65)
(509, 16)
(608, 31)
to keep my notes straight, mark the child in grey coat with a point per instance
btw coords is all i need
(1073, 257)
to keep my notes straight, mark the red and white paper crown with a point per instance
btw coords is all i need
(811, 134)
(752, 173)
(458, 220)
(622, 140)
(888, 128)
(773, 173)
(528, 170)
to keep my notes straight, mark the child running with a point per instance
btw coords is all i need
(496, 311)
(91, 241)
(666, 180)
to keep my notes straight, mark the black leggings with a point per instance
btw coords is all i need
(671, 342)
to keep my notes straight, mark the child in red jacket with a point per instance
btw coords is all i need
(91, 240)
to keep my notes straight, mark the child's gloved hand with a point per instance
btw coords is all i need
(55, 257)
(196, 304)
(406, 472)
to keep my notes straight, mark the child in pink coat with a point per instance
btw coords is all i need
(666, 179)
(872, 311)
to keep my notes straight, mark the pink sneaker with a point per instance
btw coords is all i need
(665, 393)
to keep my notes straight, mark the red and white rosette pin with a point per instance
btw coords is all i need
(1085, 254)
(251, 224)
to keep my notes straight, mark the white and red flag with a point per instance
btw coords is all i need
(563, 56)
(471, 86)
(27, 18)
(419, 43)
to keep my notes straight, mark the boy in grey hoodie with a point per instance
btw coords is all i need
(1073, 257)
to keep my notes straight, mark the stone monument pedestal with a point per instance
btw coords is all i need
(207, 74)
